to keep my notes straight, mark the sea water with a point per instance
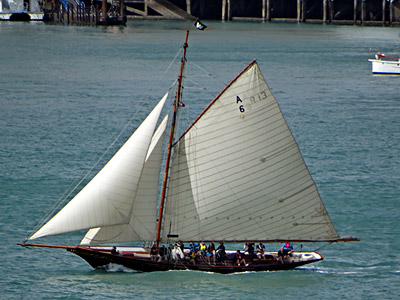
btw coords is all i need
(69, 92)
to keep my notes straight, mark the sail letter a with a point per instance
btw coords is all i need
(108, 198)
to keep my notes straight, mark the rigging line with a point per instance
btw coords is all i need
(161, 75)
(209, 74)
(197, 86)
(172, 62)
(179, 262)
(184, 121)
(323, 246)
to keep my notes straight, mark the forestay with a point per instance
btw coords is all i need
(108, 198)
(237, 173)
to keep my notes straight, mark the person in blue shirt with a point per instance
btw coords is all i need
(285, 251)
(194, 247)
(211, 252)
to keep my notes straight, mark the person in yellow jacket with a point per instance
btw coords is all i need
(203, 249)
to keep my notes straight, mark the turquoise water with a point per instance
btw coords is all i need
(67, 92)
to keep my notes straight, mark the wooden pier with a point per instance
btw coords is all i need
(85, 12)
(110, 12)
(361, 12)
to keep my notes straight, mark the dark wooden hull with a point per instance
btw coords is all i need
(99, 259)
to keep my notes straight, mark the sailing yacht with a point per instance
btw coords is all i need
(236, 175)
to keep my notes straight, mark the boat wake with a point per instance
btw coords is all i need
(115, 268)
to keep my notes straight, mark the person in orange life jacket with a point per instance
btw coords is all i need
(285, 251)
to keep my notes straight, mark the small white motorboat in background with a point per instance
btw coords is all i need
(385, 65)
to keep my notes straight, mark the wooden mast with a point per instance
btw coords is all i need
(177, 100)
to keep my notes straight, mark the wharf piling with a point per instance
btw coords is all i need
(357, 12)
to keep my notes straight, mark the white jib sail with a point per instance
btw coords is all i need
(237, 174)
(108, 198)
(142, 224)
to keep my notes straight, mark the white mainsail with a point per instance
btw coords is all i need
(237, 173)
(109, 197)
(142, 224)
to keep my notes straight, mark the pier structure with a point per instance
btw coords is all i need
(111, 12)
(362, 12)
(85, 12)
(159, 9)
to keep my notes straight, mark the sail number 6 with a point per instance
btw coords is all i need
(241, 107)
